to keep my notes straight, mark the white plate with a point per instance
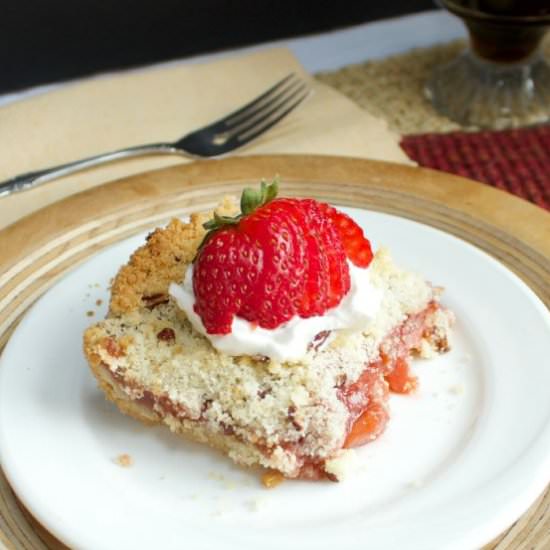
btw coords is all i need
(459, 462)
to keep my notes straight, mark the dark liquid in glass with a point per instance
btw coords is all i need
(511, 8)
(503, 31)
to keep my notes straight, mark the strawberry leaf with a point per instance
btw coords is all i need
(251, 199)
(219, 221)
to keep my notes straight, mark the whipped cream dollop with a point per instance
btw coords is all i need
(290, 341)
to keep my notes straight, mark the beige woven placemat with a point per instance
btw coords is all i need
(393, 88)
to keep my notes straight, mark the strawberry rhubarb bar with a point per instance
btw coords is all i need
(271, 333)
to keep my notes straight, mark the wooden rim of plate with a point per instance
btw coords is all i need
(39, 249)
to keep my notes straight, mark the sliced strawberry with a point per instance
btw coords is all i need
(228, 268)
(277, 229)
(318, 270)
(357, 246)
(331, 243)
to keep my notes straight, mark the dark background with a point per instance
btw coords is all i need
(45, 41)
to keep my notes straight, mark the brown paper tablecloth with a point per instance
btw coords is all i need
(163, 103)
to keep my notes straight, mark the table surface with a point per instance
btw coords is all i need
(331, 50)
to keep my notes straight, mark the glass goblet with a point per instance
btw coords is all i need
(502, 80)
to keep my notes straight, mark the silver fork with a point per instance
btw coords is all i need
(215, 140)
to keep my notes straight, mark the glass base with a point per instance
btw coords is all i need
(478, 93)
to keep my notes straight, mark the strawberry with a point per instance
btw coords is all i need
(278, 229)
(330, 249)
(227, 268)
(357, 247)
(278, 259)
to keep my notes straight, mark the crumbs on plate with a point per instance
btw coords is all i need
(124, 460)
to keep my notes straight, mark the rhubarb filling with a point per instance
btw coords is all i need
(367, 398)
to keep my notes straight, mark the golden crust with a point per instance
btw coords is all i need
(153, 266)
(160, 261)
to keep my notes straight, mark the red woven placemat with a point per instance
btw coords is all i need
(517, 161)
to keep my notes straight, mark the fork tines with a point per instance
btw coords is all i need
(266, 110)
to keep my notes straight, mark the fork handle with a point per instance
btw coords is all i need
(32, 179)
